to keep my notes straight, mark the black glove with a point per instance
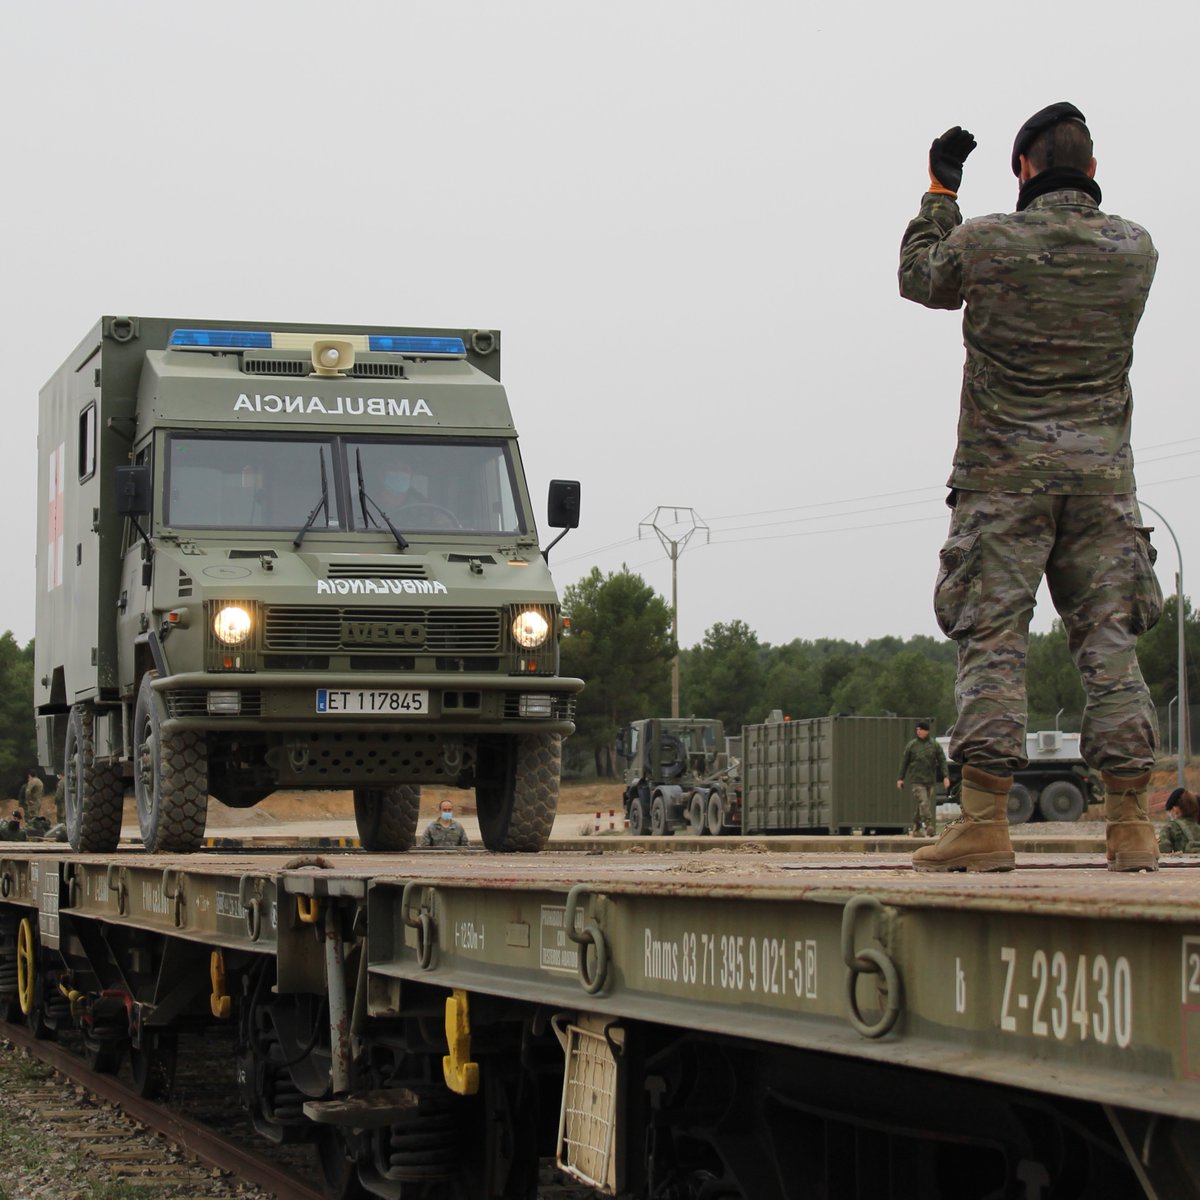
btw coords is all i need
(947, 155)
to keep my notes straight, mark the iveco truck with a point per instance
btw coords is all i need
(293, 556)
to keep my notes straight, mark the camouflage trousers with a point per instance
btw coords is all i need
(922, 795)
(1096, 556)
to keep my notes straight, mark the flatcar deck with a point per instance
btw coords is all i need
(1058, 977)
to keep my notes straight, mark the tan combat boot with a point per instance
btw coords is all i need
(978, 840)
(1129, 836)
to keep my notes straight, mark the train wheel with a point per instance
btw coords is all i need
(1061, 801)
(516, 806)
(152, 1065)
(698, 816)
(170, 778)
(716, 812)
(387, 817)
(93, 794)
(339, 1173)
(1020, 804)
(102, 1054)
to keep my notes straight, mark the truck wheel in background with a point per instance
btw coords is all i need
(658, 818)
(170, 778)
(516, 806)
(1061, 800)
(698, 816)
(639, 818)
(1020, 804)
(716, 812)
(387, 817)
(93, 794)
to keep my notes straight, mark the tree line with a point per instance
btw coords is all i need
(620, 642)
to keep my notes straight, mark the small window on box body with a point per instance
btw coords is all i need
(87, 443)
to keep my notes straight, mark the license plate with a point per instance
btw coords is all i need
(378, 702)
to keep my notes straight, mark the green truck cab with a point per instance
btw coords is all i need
(293, 556)
(678, 775)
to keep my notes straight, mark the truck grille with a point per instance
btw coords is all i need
(193, 702)
(382, 630)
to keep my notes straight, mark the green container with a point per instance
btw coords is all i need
(827, 774)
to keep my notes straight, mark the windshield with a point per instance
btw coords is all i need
(434, 485)
(247, 483)
(272, 483)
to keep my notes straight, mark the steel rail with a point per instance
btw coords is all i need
(212, 1148)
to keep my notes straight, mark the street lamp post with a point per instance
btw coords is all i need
(1181, 666)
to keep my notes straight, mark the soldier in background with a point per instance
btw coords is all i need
(11, 831)
(445, 832)
(1042, 483)
(1182, 830)
(922, 764)
(31, 795)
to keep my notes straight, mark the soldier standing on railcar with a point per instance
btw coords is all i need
(1042, 483)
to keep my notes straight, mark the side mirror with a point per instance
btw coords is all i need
(622, 748)
(562, 507)
(133, 488)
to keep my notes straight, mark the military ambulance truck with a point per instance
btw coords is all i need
(292, 556)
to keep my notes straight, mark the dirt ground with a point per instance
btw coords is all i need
(582, 798)
(585, 799)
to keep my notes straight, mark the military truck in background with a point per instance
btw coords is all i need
(1057, 785)
(820, 775)
(678, 775)
(293, 556)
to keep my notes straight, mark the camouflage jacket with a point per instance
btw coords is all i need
(923, 762)
(1179, 833)
(441, 833)
(1053, 297)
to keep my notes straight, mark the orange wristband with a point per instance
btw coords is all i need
(938, 190)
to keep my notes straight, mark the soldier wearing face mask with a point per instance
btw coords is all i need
(445, 832)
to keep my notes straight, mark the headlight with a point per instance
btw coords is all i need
(232, 625)
(530, 629)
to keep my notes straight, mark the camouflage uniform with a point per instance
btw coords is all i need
(34, 790)
(441, 833)
(1179, 833)
(11, 831)
(1042, 482)
(60, 801)
(922, 766)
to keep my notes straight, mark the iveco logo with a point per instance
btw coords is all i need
(386, 633)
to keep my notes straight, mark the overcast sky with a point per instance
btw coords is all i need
(684, 218)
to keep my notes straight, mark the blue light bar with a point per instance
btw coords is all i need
(410, 344)
(221, 339)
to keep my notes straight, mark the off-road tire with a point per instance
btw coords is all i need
(660, 825)
(387, 817)
(518, 814)
(170, 778)
(698, 816)
(93, 793)
(716, 813)
(1020, 804)
(1061, 800)
(639, 818)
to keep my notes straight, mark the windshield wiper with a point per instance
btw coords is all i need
(364, 500)
(323, 503)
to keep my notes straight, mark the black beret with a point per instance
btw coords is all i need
(923, 725)
(1042, 120)
(1173, 798)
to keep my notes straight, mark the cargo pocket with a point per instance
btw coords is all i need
(959, 583)
(1147, 595)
